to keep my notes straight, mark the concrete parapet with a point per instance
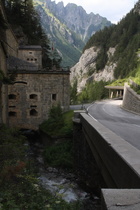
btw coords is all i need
(118, 161)
(120, 199)
(76, 118)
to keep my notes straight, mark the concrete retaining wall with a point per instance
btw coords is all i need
(131, 100)
(117, 160)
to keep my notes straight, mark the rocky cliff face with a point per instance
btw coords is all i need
(85, 69)
(77, 20)
(109, 53)
(68, 27)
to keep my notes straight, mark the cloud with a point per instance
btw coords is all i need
(113, 10)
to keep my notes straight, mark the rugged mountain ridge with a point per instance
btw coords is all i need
(77, 20)
(68, 27)
(111, 53)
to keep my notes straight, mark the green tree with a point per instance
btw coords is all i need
(73, 92)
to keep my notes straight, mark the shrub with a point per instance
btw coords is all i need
(58, 124)
(60, 155)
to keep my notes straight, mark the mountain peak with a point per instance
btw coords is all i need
(69, 26)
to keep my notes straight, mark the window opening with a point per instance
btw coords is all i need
(33, 112)
(33, 96)
(12, 96)
(54, 97)
(12, 114)
(33, 106)
(30, 52)
(12, 106)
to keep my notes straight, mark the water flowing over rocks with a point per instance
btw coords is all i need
(61, 182)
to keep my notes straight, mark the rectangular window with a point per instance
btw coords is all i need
(54, 96)
(12, 114)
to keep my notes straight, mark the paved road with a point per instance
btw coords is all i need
(123, 123)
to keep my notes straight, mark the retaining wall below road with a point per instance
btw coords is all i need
(131, 100)
(117, 160)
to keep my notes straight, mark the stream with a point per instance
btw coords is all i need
(62, 183)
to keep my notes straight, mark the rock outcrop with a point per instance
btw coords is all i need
(68, 27)
(85, 69)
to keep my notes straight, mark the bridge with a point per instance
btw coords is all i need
(100, 151)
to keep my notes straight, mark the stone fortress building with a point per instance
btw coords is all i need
(26, 102)
(33, 94)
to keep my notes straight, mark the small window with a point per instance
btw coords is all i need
(28, 59)
(33, 106)
(12, 106)
(33, 112)
(30, 52)
(33, 96)
(35, 59)
(54, 97)
(12, 114)
(31, 59)
(12, 96)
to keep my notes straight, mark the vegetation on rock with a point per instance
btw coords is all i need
(91, 92)
(125, 38)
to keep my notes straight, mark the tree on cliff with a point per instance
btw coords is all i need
(21, 13)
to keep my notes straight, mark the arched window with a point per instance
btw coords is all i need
(12, 114)
(33, 96)
(33, 112)
(12, 96)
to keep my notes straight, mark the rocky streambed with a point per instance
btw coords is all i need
(64, 184)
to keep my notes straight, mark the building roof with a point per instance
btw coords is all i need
(14, 63)
(30, 47)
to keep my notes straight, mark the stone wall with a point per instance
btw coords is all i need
(3, 88)
(131, 100)
(84, 161)
(33, 94)
(31, 54)
(12, 44)
(8, 46)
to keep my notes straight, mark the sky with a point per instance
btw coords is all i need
(113, 10)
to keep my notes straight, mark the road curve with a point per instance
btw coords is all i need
(123, 123)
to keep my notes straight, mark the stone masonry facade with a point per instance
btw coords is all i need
(8, 46)
(32, 96)
(27, 101)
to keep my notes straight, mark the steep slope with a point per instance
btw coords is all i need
(112, 52)
(77, 20)
(68, 27)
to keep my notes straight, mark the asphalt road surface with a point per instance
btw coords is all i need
(123, 123)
